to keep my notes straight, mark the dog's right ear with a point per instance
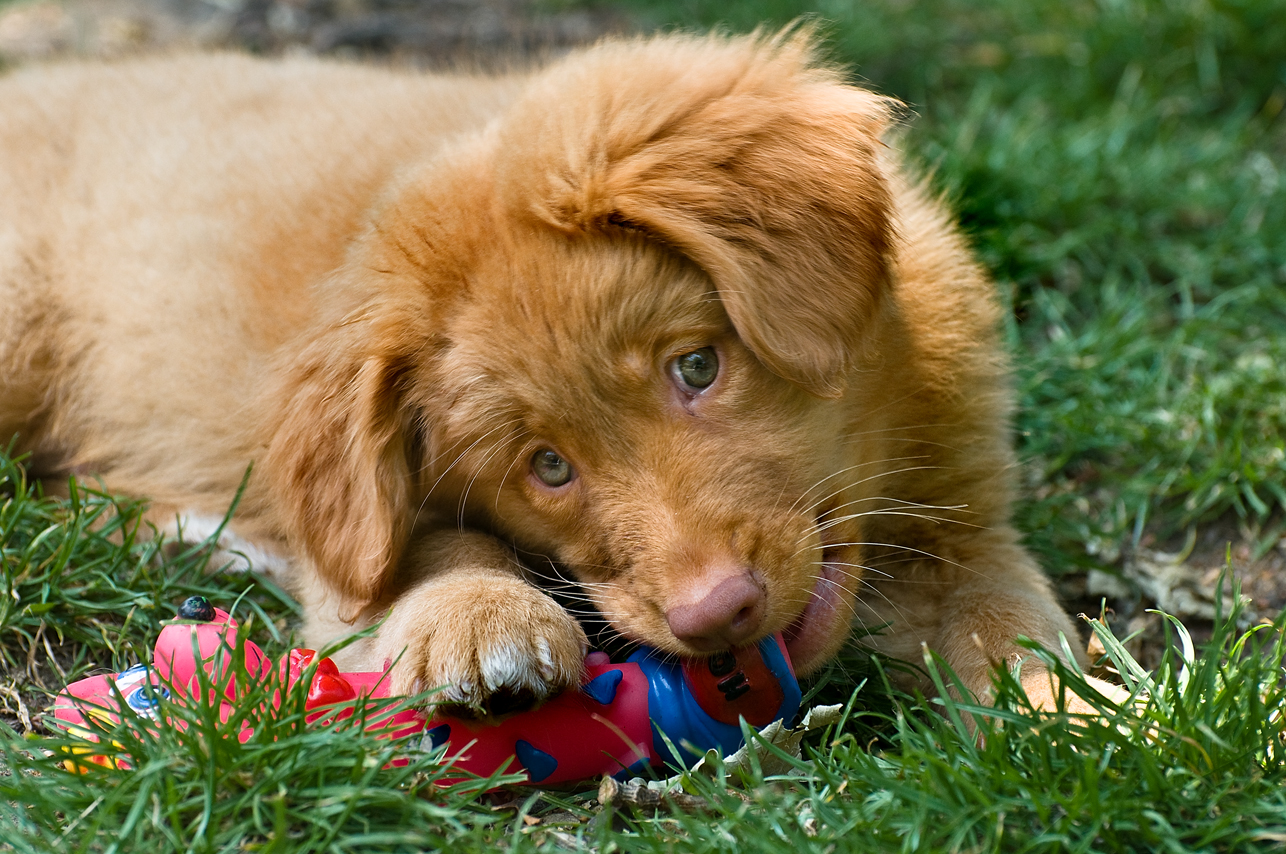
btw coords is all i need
(746, 155)
(338, 464)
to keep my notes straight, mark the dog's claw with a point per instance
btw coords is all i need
(493, 646)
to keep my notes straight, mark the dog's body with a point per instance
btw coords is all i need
(666, 315)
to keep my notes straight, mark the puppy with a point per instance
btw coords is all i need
(666, 317)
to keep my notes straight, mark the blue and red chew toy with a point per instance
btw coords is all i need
(612, 725)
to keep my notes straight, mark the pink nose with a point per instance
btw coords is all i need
(728, 615)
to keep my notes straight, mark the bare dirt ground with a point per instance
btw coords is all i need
(1182, 577)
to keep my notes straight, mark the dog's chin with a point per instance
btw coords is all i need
(816, 633)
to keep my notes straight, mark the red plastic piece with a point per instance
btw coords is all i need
(735, 684)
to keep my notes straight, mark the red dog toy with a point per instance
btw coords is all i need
(612, 725)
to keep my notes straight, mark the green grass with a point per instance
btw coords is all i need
(85, 585)
(1197, 765)
(1119, 166)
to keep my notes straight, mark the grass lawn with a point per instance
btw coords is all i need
(1121, 167)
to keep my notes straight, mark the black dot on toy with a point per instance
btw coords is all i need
(196, 608)
(721, 663)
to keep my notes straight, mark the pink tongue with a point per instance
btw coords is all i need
(811, 632)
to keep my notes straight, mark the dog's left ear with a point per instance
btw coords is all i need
(748, 157)
(338, 465)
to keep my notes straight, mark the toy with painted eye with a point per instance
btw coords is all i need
(618, 722)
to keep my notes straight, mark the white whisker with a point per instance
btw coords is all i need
(460, 456)
(805, 493)
(909, 549)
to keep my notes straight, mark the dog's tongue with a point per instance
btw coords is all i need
(810, 634)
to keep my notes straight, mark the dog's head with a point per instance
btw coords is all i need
(616, 329)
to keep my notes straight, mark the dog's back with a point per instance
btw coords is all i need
(159, 241)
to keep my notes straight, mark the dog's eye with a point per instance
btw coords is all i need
(697, 369)
(552, 469)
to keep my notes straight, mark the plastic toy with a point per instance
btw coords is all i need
(612, 725)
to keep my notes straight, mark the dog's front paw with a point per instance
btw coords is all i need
(491, 643)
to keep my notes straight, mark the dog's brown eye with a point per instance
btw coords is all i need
(697, 369)
(552, 469)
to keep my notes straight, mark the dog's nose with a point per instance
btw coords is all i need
(728, 615)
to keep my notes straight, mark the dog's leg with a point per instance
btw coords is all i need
(989, 614)
(467, 622)
(970, 611)
(230, 550)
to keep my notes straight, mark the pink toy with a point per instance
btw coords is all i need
(612, 725)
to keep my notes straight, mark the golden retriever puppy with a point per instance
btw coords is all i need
(666, 316)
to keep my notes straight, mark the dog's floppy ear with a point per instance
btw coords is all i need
(339, 468)
(344, 458)
(746, 156)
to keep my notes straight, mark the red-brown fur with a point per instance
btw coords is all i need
(390, 290)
